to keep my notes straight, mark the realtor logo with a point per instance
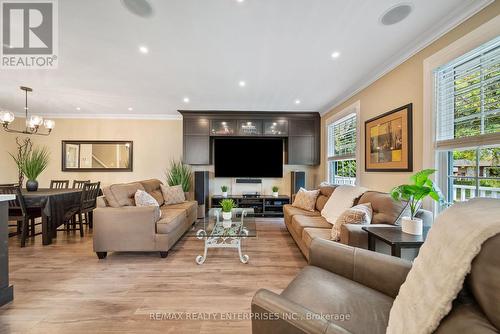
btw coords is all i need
(29, 34)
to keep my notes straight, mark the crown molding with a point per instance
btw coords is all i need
(109, 116)
(452, 20)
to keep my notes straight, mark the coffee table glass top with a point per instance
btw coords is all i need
(242, 224)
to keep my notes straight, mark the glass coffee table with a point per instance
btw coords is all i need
(219, 233)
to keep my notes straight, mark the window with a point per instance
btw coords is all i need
(342, 150)
(468, 124)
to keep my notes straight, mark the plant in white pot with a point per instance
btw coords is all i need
(275, 191)
(224, 191)
(421, 187)
(227, 206)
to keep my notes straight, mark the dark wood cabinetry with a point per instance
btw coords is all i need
(300, 132)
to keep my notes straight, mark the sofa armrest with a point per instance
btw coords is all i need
(101, 202)
(125, 228)
(273, 314)
(426, 216)
(380, 272)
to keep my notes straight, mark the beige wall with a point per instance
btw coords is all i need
(156, 143)
(402, 85)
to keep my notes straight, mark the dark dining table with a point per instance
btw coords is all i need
(54, 204)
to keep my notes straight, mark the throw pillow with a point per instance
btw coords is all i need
(142, 198)
(341, 199)
(306, 199)
(173, 194)
(359, 214)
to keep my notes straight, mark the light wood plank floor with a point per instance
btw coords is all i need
(64, 288)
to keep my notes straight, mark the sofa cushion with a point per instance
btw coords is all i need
(309, 233)
(289, 211)
(171, 220)
(327, 190)
(354, 235)
(385, 209)
(152, 187)
(324, 292)
(359, 214)
(121, 194)
(306, 199)
(173, 194)
(190, 207)
(300, 222)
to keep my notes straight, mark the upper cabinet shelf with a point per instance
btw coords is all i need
(300, 132)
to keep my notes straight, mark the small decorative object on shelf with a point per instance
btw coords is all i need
(227, 205)
(32, 164)
(414, 194)
(275, 191)
(224, 191)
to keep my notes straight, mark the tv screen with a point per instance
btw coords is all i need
(248, 157)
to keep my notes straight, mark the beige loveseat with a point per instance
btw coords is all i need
(304, 225)
(121, 226)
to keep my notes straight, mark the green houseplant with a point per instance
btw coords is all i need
(421, 187)
(224, 190)
(179, 174)
(275, 191)
(32, 164)
(227, 205)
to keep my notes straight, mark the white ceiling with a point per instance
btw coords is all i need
(201, 49)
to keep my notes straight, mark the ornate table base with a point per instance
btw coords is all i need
(221, 242)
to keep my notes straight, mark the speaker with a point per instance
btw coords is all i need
(298, 180)
(201, 193)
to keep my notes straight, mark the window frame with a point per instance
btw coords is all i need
(349, 111)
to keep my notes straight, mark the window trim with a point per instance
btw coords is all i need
(354, 108)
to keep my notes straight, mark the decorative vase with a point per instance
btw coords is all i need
(412, 226)
(226, 215)
(224, 194)
(32, 185)
(226, 223)
(275, 194)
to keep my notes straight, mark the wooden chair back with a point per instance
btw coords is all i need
(59, 184)
(89, 195)
(17, 206)
(78, 184)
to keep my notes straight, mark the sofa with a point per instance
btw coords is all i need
(351, 290)
(119, 225)
(304, 226)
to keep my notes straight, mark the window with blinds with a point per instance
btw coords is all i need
(342, 150)
(468, 124)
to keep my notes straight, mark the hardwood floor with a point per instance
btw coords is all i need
(64, 288)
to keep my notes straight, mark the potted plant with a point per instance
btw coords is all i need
(227, 205)
(32, 165)
(275, 191)
(224, 191)
(180, 174)
(414, 193)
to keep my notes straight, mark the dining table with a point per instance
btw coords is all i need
(53, 204)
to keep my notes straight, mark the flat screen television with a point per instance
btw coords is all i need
(248, 157)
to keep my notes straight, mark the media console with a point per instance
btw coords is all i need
(264, 206)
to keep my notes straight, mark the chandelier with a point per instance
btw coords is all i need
(33, 123)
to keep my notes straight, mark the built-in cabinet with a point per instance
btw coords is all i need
(300, 132)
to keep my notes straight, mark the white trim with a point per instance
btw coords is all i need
(455, 18)
(470, 41)
(354, 108)
(166, 117)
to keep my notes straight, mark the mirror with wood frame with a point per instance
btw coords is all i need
(84, 155)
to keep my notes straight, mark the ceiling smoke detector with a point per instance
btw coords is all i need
(396, 14)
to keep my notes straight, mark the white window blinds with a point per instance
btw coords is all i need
(342, 138)
(468, 99)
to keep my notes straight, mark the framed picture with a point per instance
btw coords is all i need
(388, 141)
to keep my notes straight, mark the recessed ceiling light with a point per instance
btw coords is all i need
(186, 100)
(143, 49)
(130, 108)
(335, 54)
(240, 0)
(78, 108)
(396, 13)
(297, 101)
(242, 83)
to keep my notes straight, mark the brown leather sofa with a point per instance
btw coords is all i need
(121, 226)
(304, 225)
(351, 290)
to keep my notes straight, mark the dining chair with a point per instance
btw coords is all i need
(78, 184)
(19, 213)
(59, 184)
(74, 216)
